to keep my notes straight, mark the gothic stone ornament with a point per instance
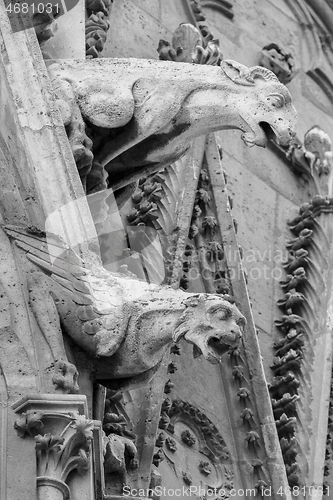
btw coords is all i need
(300, 326)
(189, 46)
(317, 149)
(312, 159)
(277, 60)
(120, 322)
(63, 437)
(148, 112)
(96, 26)
(198, 455)
(119, 456)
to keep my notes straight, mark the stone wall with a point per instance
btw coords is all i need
(266, 191)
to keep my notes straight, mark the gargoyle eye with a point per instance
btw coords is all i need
(224, 314)
(220, 312)
(276, 100)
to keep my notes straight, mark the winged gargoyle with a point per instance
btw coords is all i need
(123, 324)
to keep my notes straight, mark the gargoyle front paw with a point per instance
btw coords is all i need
(65, 377)
(83, 158)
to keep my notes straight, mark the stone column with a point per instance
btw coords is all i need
(63, 437)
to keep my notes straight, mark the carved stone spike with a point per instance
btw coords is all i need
(99, 94)
(277, 60)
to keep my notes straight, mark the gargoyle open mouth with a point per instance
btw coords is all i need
(267, 130)
(273, 134)
(218, 346)
(261, 132)
(213, 347)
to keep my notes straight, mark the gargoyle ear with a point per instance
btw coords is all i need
(194, 300)
(237, 72)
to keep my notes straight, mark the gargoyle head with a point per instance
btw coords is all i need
(213, 325)
(266, 109)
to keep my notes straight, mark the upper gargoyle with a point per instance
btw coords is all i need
(124, 325)
(143, 114)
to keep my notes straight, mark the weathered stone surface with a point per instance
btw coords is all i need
(68, 41)
(146, 36)
(119, 318)
(181, 101)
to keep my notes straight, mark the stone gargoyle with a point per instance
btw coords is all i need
(143, 114)
(124, 325)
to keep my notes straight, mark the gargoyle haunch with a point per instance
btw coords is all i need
(143, 114)
(124, 325)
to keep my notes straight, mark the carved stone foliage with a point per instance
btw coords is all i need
(194, 451)
(204, 250)
(276, 59)
(97, 26)
(63, 440)
(189, 46)
(238, 92)
(302, 323)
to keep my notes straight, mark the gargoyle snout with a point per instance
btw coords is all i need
(236, 332)
(285, 137)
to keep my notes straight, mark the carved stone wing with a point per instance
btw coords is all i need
(89, 302)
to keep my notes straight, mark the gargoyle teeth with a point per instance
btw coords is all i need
(196, 351)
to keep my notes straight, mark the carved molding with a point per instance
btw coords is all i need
(303, 323)
(191, 434)
(223, 6)
(316, 20)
